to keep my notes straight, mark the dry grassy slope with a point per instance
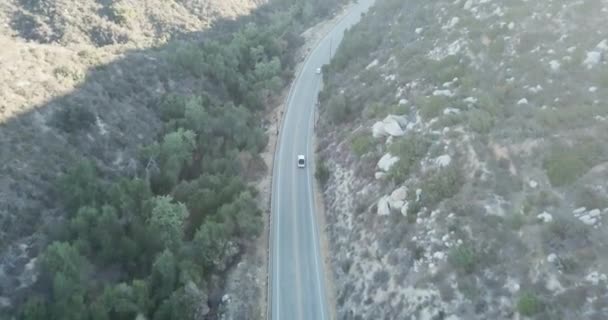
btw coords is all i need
(60, 53)
(106, 22)
(512, 94)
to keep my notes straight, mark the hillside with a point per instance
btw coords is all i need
(108, 22)
(462, 148)
(131, 146)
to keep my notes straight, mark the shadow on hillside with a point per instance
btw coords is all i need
(34, 149)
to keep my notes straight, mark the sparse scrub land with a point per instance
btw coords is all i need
(490, 182)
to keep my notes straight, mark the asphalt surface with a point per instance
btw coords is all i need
(297, 277)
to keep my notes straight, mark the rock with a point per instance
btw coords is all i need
(522, 101)
(383, 207)
(379, 175)
(390, 126)
(418, 30)
(396, 205)
(603, 45)
(592, 89)
(418, 194)
(444, 93)
(448, 111)
(406, 206)
(592, 59)
(511, 26)
(452, 23)
(403, 101)
(226, 298)
(595, 213)
(545, 217)
(399, 194)
(553, 284)
(533, 184)
(551, 258)
(443, 161)
(511, 285)
(588, 220)
(468, 5)
(439, 255)
(595, 278)
(387, 161)
(371, 65)
(579, 210)
(470, 100)
(555, 65)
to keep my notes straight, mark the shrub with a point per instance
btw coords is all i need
(441, 185)
(361, 143)
(463, 258)
(528, 304)
(322, 172)
(590, 198)
(337, 109)
(564, 165)
(480, 121)
(431, 107)
(410, 150)
(381, 277)
(73, 117)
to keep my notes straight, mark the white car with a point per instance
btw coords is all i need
(301, 161)
(318, 70)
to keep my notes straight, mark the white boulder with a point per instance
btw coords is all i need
(592, 59)
(443, 161)
(387, 161)
(383, 208)
(399, 194)
(390, 126)
(545, 217)
(444, 93)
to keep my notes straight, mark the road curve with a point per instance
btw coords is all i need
(297, 281)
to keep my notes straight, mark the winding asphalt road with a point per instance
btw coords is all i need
(297, 280)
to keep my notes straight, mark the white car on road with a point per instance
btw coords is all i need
(318, 70)
(301, 161)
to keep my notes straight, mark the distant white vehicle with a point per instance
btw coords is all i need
(318, 70)
(301, 161)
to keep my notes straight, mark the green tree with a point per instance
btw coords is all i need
(61, 257)
(80, 186)
(209, 243)
(68, 297)
(35, 308)
(163, 278)
(187, 303)
(167, 220)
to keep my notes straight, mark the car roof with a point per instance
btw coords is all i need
(300, 156)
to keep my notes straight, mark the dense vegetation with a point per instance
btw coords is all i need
(150, 246)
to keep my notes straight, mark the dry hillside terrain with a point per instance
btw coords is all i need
(463, 151)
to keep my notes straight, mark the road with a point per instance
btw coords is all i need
(297, 280)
